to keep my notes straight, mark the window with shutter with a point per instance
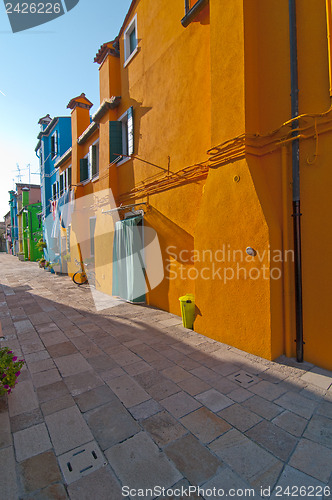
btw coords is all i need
(94, 159)
(130, 41)
(69, 177)
(130, 130)
(84, 169)
(116, 149)
(61, 184)
(54, 144)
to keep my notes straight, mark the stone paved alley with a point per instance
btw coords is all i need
(128, 397)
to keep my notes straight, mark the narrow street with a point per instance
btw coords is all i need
(128, 398)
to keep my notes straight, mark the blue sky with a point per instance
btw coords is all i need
(41, 69)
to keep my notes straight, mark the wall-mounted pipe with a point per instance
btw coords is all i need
(190, 14)
(296, 182)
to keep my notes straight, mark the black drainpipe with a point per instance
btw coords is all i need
(296, 182)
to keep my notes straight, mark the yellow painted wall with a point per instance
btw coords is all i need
(316, 179)
(225, 75)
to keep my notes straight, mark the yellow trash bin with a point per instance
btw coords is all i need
(187, 303)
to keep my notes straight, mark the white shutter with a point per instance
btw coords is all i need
(130, 128)
(90, 160)
(56, 142)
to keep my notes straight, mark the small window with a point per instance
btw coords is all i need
(69, 177)
(54, 144)
(122, 137)
(130, 41)
(54, 191)
(62, 187)
(94, 160)
(84, 169)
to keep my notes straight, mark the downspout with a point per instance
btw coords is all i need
(296, 182)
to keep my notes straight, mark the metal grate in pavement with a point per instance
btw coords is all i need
(81, 462)
(244, 379)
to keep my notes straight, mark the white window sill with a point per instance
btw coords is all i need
(95, 178)
(129, 58)
(84, 183)
(124, 160)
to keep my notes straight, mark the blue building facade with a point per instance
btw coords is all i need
(13, 238)
(54, 140)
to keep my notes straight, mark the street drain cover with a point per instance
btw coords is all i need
(81, 462)
(244, 379)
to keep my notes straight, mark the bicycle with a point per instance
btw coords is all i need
(83, 276)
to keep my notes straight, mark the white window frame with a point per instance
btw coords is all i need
(56, 149)
(61, 175)
(89, 170)
(126, 41)
(124, 119)
(66, 177)
(95, 177)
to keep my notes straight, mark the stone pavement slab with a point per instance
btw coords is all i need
(290, 422)
(96, 397)
(23, 399)
(145, 409)
(290, 478)
(52, 391)
(24, 420)
(205, 425)
(72, 364)
(163, 428)
(31, 441)
(101, 484)
(139, 464)
(312, 459)
(157, 398)
(8, 482)
(39, 472)
(128, 391)
(193, 460)
(320, 378)
(5, 431)
(214, 400)
(240, 417)
(263, 407)
(111, 424)
(180, 404)
(273, 438)
(82, 382)
(251, 462)
(226, 480)
(320, 430)
(67, 429)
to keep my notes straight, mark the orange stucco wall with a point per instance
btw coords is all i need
(225, 76)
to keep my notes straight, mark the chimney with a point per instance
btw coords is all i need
(80, 120)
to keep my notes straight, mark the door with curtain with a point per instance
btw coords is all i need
(128, 260)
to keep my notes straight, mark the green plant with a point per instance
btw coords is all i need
(9, 370)
(47, 264)
(41, 245)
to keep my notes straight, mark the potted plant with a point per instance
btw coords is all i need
(47, 264)
(41, 244)
(67, 257)
(41, 262)
(20, 256)
(10, 369)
